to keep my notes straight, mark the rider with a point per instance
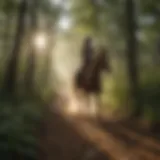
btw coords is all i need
(87, 51)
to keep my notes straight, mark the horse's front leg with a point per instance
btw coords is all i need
(82, 101)
(99, 107)
(85, 103)
(93, 105)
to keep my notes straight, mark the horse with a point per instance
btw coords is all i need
(87, 81)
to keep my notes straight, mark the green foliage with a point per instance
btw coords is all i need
(18, 128)
(46, 7)
(150, 93)
(85, 15)
(115, 94)
(20, 116)
(8, 6)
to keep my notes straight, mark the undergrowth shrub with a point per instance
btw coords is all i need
(115, 95)
(115, 92)
(19, 124)
(150, 94)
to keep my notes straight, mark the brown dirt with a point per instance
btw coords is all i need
(70, 138)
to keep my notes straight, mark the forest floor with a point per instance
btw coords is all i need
(73, 138)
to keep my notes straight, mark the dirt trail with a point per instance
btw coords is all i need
(60, 140)
(69, 138)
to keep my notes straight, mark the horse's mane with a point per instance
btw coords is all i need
(100, 56)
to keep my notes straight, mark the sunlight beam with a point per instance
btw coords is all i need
(40, 41)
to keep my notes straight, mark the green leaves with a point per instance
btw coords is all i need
(17, 125)
(9, 6)
(85, 14)
(47, 8)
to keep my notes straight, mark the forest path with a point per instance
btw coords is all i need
(66, 137)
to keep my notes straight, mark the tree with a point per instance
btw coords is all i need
(9, 8)
(11, 72)
(132, 52)
(30, 74)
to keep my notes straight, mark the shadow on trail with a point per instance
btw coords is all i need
(134, 136)
(59, 140)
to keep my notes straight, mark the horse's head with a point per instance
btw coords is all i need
(88, 41)
(103, 59)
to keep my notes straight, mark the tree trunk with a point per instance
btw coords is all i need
(132, 54)
(7, 37)
(8, 33)
(30, 74)
(49, 50)
(157, 55)
(11, 72)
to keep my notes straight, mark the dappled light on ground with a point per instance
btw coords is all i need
(67, 141)
(89, 139)
(75, 105)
